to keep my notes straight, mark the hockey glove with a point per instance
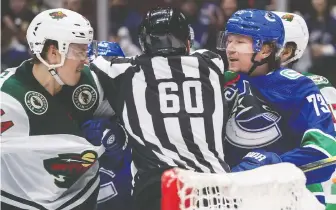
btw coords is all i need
(256, 159)
(104, 48)
(109, 133)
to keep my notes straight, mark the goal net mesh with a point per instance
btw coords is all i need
(274, 187)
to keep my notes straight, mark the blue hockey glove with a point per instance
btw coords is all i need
(93, 130)
(256, 159)
(104, 48)
(109, 133)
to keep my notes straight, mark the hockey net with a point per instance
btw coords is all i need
(273, 187)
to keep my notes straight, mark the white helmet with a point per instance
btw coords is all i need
(296, 31)
(62, 25)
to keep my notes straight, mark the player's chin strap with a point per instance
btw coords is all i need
(52, 68)
(55, 75)
(257, 63)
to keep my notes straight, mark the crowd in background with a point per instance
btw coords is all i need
(207, 17)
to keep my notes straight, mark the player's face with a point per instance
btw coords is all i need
(239, 52)
(70, 72)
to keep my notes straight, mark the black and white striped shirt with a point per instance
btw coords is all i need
(172, 108)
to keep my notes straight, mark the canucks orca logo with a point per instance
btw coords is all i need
(252, 123)
(68, 168)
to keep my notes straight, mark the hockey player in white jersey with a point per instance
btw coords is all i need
(296, 41)
(45, 161)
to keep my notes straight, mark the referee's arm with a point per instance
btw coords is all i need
(109, 75)
(112, 68)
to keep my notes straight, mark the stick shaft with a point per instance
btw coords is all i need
(318, 164)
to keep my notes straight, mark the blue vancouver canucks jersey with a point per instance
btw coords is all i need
(115, 185)
(282, 112)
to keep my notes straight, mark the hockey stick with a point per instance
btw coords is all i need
(318, 164)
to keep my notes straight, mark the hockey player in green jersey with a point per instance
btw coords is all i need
(45, 161)
(296, 40)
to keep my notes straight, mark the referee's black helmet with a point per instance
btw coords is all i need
(165, 31)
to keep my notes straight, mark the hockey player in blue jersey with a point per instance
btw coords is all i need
(115, 173)
(278, 115)
(296, 41)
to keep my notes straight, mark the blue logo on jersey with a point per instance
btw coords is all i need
(107, 188)
(252, 123)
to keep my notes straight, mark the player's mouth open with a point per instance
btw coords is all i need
(233, 59)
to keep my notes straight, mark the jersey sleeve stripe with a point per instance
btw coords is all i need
(317, 138)
(113, 70)
(319, 149)
(8, 73)
(71, 204)
(321, 133)
(316, 188)
(83, 195)
(19, 202)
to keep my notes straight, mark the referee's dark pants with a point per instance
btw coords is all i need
(147, 189)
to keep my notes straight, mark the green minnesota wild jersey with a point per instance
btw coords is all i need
(329, 93)
(46, 163)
